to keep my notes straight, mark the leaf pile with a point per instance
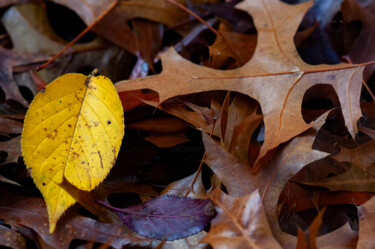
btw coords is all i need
(249, 124)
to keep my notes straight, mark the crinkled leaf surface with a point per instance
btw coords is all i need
(167, 217)
(275, 76)
(74, 130)
(240, 223)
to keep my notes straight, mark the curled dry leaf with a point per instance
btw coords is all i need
(240, 223)
(275, 76)
(72, 130)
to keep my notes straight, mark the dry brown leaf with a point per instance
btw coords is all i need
(366, 234)
(9, 126)
(235, 45)
(362, 156)
(363, 48)
(235, 175)
(163, 131)
(275, 76)
(355, 179)
(189, 185)
(148, 37)
(342, 238)
(30, 212)
(8, 60)
(239, 223)
(287, 160)
(306, 240)
(11, 238)
(13, 148)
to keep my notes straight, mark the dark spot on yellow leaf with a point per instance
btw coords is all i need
(96, 124)
(69, 125)
(44, 184)
(109, 122)
(101, 160)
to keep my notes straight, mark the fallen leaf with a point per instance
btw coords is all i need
(11, 238)
(275, 76)
(167, 217)
(10, 126)
(30, 212)
(163, 131)
(362, 156)
(355, 179)
(30, 21)
(13, 148)
(240, 223)
(235, 45)
(72, 130)
(9, 60)
(361, 50)
(191, 186)
(89, 200)
(366, 217)
(306, 239)
(235, 175)
(287, 160)
(148, 38)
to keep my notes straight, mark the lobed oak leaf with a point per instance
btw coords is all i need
(275, 76)
(72, 130)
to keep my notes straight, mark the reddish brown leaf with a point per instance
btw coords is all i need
(167, 217)
(163, 131)
(13, 148)
(8, 60)
(11, 238)
(148, 37)
(9, 126)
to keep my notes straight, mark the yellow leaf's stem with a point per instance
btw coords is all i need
(78, 36)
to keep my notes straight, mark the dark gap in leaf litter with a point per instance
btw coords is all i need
(317, 100)
(66, 23)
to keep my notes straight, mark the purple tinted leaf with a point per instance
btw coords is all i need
(167, 217)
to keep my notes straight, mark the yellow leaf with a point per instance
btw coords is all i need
(74, 130)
